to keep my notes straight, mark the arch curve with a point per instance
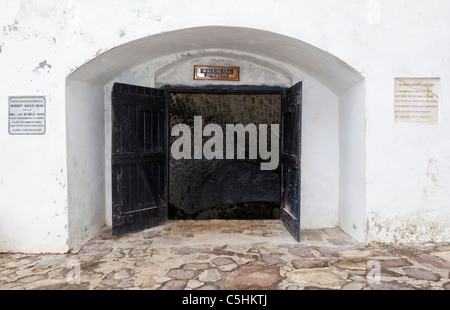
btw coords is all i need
(321, 65)
(342, 123)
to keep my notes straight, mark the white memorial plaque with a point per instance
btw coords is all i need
(417, 100)
(27, 115)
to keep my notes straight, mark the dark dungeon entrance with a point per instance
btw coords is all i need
(150, 186)
(224, 188)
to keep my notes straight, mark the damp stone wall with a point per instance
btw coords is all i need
(223, 188)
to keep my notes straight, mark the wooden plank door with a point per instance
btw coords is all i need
(139, 158)
(290, 159)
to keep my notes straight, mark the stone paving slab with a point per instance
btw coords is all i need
(230, 255)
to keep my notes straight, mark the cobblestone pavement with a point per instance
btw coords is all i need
(223, 255)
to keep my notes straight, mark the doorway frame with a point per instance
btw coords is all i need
(291, 103)
(219, 88)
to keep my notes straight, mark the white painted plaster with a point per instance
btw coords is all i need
(320, 156)
(86, 160)
(352, 157)
(399, 188)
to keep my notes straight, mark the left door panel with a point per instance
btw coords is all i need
(139, 158)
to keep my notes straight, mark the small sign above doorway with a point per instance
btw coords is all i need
(216, 73)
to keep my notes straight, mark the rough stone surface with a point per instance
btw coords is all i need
(181, 274)
(309, 263)
(323, 277)
(196, 266)
(394, 263)
(208, 287)
(419, 273)
(445, 255)
(304, 252)
(174, 285)
(391, 286)
(221, 261)
(353, 286)
(96, 248)
(210, 275)
(351, 265)
(341, 241)
(272, 259)
(210, 261)
(252, 277)
(430, 260)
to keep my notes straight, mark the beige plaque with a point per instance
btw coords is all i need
(218, 73)
(417, 100)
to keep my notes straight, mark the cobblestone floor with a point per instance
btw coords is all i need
(223, 255)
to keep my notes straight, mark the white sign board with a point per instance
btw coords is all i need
(417, 100)
(27, 115)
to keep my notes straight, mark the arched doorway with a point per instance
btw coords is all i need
(142, 157)
(281, 61)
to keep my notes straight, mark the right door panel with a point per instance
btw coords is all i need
(290, 159)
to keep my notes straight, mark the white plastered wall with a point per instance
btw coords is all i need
(406, 166)
(86, 160)
(352, 162)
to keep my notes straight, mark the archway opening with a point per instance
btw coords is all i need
(335, 117)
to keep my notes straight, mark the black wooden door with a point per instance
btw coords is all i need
(139, 158)
(291, 112)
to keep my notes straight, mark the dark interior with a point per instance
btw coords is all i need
(223, 188)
